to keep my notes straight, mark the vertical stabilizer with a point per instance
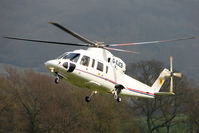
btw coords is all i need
(160, 80)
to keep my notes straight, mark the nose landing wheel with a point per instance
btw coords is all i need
(57, 80)
(58, 77)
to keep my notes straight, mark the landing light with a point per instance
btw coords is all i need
(52, 70)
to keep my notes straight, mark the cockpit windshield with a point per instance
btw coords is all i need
(61, 56)
(71, 56)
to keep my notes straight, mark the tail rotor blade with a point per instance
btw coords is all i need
(171, 84)
(171, 64)
(179, 75)
(171, 70)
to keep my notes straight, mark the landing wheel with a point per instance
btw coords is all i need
(57, 80)
(119, 99)
(87, 99)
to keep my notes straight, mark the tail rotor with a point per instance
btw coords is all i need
(173, 74)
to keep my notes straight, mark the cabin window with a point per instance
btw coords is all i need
(109, 59)
(85, 60)
(72, 56)
(100, 66)
(106, 69)
(93, 63)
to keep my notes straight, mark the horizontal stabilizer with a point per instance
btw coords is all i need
(164, 93)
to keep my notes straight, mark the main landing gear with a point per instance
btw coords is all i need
(119, 99)
(88, 98)
(116, 91)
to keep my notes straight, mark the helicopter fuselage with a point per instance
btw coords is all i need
(99, 67)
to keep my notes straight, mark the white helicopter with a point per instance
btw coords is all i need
(103, 71)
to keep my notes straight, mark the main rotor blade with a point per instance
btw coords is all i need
(52, 42)
(151, 42)
(121, 50)
(83, 39)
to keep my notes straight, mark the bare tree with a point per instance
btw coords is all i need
(192, 108)
(31, 102)
(161, 111)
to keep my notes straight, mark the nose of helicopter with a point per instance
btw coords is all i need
(56, 65)
(51, 64)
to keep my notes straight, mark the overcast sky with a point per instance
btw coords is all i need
(110, 21)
